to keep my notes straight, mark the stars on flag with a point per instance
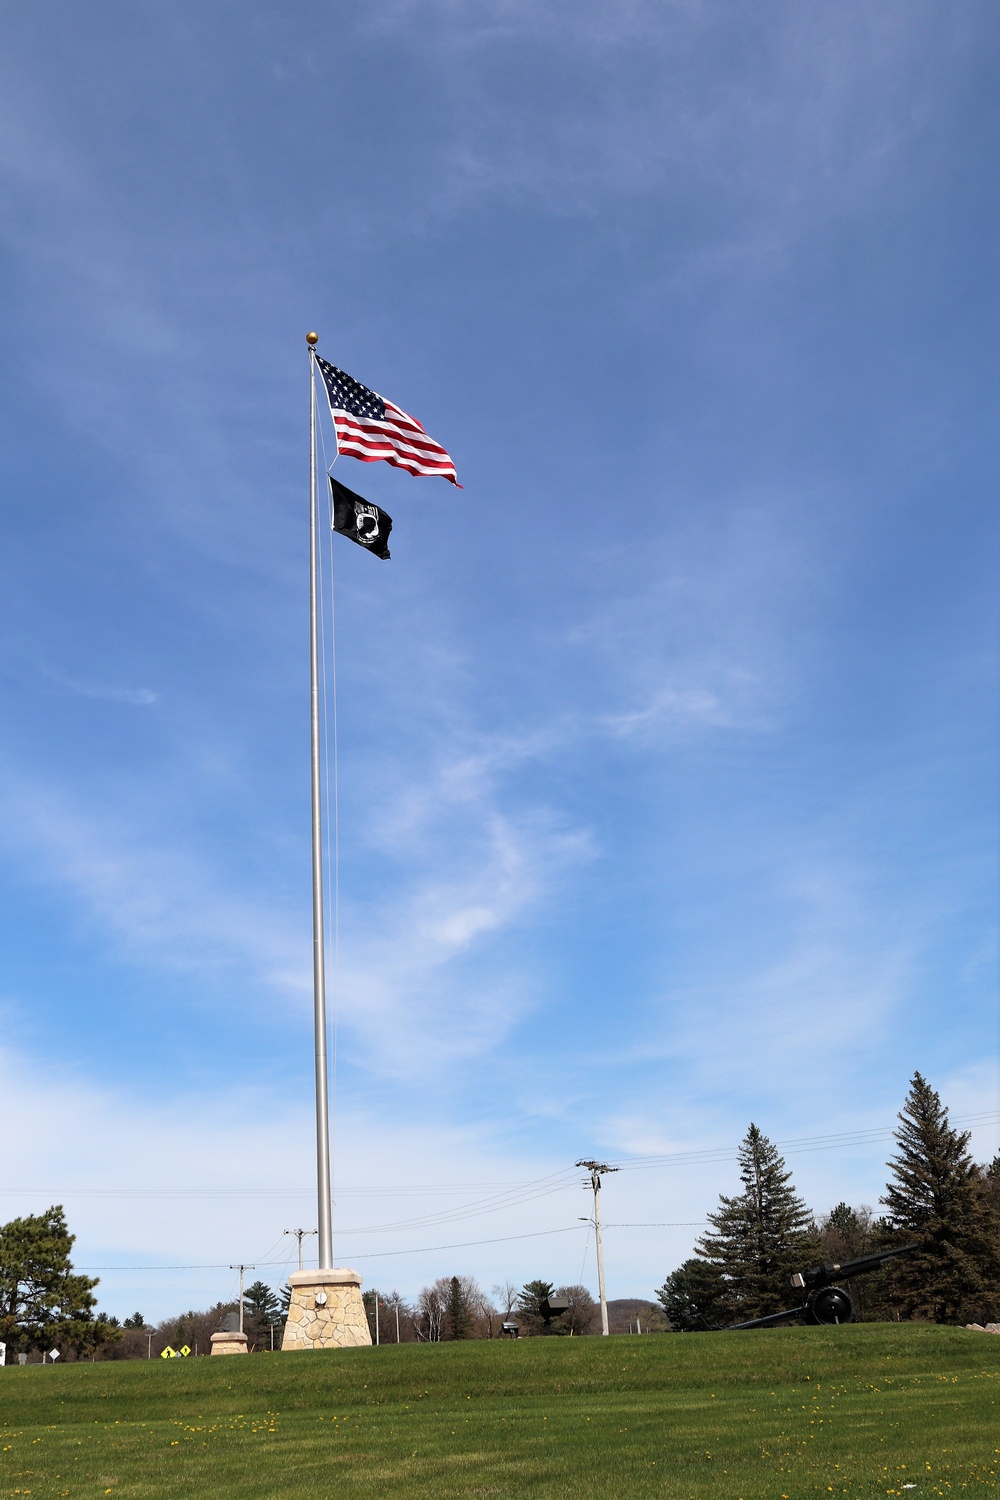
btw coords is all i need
(370, 428)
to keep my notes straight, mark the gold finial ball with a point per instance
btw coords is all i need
(312, 339)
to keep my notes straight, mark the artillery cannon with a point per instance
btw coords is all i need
(825, 1303)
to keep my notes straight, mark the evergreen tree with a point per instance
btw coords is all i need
(458, 1322)
(529, 1303)
(991, 1182)
(261, 1308)
(41, 1301)
(532, 1295)
(760, 1237)
(847, 1233)
(136, 1321)
(938, 1198)
(694, 1297)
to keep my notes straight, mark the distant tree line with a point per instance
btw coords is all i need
(937, 1197)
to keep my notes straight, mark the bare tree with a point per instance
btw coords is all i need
(506, 1294)
(583, 1310)
(485, 1315)
(431, 1320)
(431, 1306)
(398, 1318)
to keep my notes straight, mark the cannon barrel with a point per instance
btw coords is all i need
(825, 1275)
(771, 1321)
(826, 1303)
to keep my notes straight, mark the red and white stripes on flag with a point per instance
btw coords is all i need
(397, 438)
(370, 428)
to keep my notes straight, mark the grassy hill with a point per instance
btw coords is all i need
(860, 1411)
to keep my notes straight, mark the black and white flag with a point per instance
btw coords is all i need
(356, 518)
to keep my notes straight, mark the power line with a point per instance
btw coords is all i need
(371, 1255)
(791, 1146)
(503, 1197)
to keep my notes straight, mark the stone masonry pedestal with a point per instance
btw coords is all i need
(325, 1311)
(231, 1341)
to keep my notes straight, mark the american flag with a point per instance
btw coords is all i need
(369, 427)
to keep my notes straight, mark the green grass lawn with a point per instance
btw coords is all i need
(860, 1411)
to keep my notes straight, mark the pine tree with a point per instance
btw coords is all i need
(261, 1308)
(847, 1233)
(938, 1198)
(694, 1297)
(41, 1300)
(991, 1182)
(458, 1323)
(532, 1295)
(760, 1237)
(528, 1305)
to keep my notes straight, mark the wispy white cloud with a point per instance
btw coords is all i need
(218, 1176)
(461, 881)
(157, 900)
(711, 635)
(406, 987)
(802, 121)
(136, 697)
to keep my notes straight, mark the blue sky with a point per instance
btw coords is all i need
(667, 745)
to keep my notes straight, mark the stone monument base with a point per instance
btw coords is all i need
(325, 1311)
(229, 1342)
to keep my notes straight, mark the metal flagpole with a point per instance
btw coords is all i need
(324, 1197)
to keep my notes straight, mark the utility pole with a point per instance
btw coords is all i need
(298, 1233)
(596, 1170)
(376, 1320)
(241, 1269)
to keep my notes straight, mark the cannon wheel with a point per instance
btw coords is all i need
(831, 1304)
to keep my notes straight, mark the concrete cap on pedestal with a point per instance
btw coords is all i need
(325, 1278)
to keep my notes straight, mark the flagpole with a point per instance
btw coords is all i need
(324, 1197)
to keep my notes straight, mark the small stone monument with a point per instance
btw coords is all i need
(230, 1339)
(325, 1311)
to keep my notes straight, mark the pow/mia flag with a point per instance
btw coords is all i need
(363, 522)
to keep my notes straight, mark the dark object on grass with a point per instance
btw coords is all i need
(825, 1303)
(553, 1307)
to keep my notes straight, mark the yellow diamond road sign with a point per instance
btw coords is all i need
(169, 1353)
(185, 1351)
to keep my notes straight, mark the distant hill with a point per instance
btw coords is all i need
(623, 1312)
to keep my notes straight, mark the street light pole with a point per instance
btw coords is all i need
(596, 1170)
